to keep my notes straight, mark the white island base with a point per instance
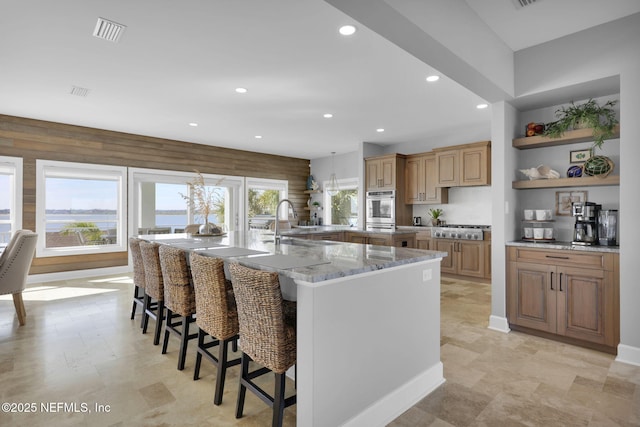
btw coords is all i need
(368, 345)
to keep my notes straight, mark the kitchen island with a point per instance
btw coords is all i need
(368, 321)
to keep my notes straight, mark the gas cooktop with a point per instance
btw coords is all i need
(459, 232)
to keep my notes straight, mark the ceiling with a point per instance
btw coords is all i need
(180, 62)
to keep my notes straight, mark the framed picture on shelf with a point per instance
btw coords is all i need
(579, 156)
(564, 199)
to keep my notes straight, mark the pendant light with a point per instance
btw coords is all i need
(332, 187)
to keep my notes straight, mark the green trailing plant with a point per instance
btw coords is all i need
(602, 119)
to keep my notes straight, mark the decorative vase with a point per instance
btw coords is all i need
(598, 166)
(207, 228)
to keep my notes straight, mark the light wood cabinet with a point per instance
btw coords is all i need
(466, 257)
(464, 165)
(423, 240)
(568, 294)
(421, 179)
(337, 236)
(404, 240)
(382, 171)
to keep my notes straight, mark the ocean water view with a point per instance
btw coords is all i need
(103, 221)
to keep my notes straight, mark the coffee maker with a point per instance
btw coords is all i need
(585, 230)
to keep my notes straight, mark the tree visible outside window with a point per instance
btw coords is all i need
(263, 202)
(344, 207)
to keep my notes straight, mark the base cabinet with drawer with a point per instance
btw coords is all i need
(569, 294)
(398, 240)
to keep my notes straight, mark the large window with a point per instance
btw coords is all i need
(159, 201)
(10, 197)
(343, 206)
(80, 208)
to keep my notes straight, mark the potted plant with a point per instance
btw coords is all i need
(435, 215)
(601, 118)
(203, 199)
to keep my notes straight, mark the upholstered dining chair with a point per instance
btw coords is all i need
(138, 277)
(267, 336)
(217, 316)
(179, 298)
(192, 228)
(154, 288)
(15, 262)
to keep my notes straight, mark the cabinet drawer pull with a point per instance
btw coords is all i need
(551, 280)
(557, 257)
(560, 282)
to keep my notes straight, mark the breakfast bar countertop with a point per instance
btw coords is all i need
(307, 260)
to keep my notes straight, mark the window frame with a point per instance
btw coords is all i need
(343, 184)
(70, 170)
(13, 167)
(282, 185)
(140, 175)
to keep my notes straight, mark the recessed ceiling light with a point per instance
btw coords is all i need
(347, 30)
(380, 130)
(193, 124)
(433, 78)
(258, 137)
(241, 90)
(482, 106)
(327, 115)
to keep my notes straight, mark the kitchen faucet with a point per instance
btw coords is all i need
(276, 237)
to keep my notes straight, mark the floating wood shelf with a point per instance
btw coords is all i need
(587, 181)
(569, 137)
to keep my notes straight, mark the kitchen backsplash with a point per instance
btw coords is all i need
(467, 205)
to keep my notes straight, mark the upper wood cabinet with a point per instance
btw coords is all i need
(382, 172)
(421, 179)
(464, 165)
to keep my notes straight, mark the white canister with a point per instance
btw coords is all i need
(548, 233)
(538, 233)
(541, 214)
(528, 232)
(528, 214)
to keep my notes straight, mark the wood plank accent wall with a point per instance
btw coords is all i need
(36, 139)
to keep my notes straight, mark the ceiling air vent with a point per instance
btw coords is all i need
(524, 3)
(108, 30)
(79, 91)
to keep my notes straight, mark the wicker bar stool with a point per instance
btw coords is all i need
(154, 288)
(217, 317)
(179, 298)
(138, 277)
(267, 336)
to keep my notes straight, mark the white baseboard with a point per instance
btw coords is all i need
(500, 324)
(393, 405)
(628, 354)
(77, 274)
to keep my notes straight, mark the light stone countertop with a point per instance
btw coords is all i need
(331, 260)
(564, 246)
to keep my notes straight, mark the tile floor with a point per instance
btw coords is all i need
(80, 349)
